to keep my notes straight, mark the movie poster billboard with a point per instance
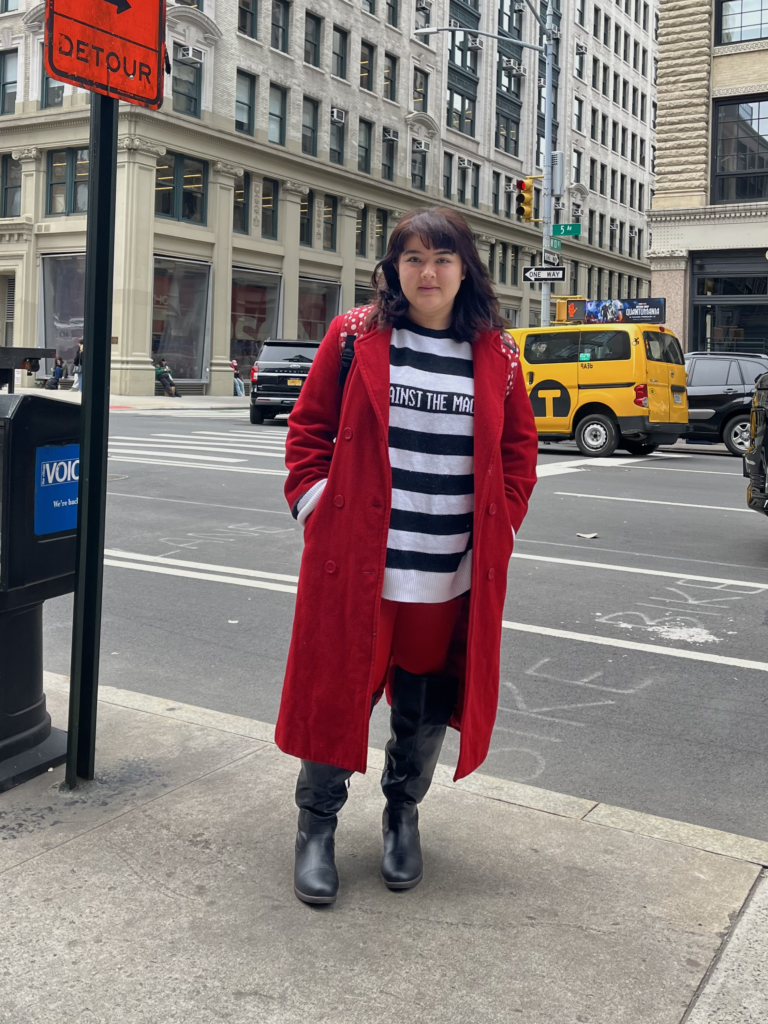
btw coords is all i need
(618, 311)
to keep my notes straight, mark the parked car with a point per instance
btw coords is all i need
(756, 457)
(277, 376)
(720, 390)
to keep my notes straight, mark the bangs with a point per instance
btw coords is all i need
(434, 230)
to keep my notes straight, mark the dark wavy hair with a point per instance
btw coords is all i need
(475, 307)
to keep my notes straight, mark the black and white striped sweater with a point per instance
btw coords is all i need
(431, 452)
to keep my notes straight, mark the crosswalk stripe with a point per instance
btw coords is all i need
(198, 465)
(163, 446)
(124, 450)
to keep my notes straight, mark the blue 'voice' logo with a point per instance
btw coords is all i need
(57, 474)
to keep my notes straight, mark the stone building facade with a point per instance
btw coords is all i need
(709, 220)
(293, 136)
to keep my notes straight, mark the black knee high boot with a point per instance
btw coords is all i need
(321, 792)
(421, 709)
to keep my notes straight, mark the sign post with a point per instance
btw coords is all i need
(116, 50)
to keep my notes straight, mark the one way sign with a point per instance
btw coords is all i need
(543, 274)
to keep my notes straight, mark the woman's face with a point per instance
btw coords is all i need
(430, 279)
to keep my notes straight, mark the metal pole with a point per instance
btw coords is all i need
(99, 262)
(546, 220)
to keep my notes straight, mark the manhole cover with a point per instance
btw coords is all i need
(115, 476)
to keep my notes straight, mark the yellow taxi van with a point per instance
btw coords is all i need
(605, 385)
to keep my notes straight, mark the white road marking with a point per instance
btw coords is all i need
(578, 465)
(120, 449)
(711, 472)
(237, 437)
(637, 570)
(199, 465)
(632, 645)
(211, 577)
(206, 504)
(166, 447)
(649, 501)
(207, 566)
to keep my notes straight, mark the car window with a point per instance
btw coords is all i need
(555, 347)
(297, 353)
(734, 377)
(709, 373)
(597, 346)
(663, 348)
(751, 369)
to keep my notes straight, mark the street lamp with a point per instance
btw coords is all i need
(547, 49)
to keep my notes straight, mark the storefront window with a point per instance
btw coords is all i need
(255, 300)
(63, 303)
(730, 328)
(318, 305)
(179, 317)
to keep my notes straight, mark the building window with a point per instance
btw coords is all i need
(420, 90)
(495, 192)
(312, 29)
(580, 5)
(643, 107)
(422, 19)
(623, 189)
(595, 73)
(509, 191)
(578, 114)
(419, 170)
(339, 53)
(459, 52)
(646, 11)
(245, 92)
(741, 143)
(461, 112)
(625, 94)
(448, 175)
(255, 303)
(306, 216)
(11, 199)
(318, 305)
(632, 187)
(616, 87)
(506, 134)
(492, 260)
(640, 197)
(388, 158)
(461, 185)
(364, 145)
(739, 21)
(614, 179)
(505, 80)
(510, 20)
(606, 79)
(593, 175)
(617, 40)
(366, 66)
(640, 252)
(635, 101)
(280, 15)
(246, 17)
(641, 161)
(309, 110)
(626, 49)
(51, 91)
(624, 134)
(601, 231)
(591, 227)
(536, 203)
(336, 152)
(606, 31)
(621, 239)
(180, 315)
(603, 178)
(269, 198)
(604, 130)
(390, 77)
(633, 148)
(277, 110)
(596, 22)
(361, 232)
(576, 166)
(67, 181)
(9, 64)
(503, 261)
(369, 6)
(185, 84)
(644, 64)
(380, 238)
(636, 55)
(593, 123)
(392, 12)
(180, 188)
(475, 185)
(330, 216)
(242, 197)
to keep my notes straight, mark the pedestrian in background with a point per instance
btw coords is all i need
(410, 479)
(77, 367)
(57, 375)
(164, 376)
(239, 389)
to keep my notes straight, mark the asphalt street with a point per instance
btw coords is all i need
(634, 663)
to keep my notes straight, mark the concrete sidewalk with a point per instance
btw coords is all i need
(192, 403)
(162, 892)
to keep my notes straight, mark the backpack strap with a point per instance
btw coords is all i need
(353, 325)
(512, 352)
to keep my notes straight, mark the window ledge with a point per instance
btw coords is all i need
(250, 39)
(373, 17)
(393, 102)
(344, 81)
(283, 53)
(314, 67)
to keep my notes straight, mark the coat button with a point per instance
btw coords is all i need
(347, 435)
(491, 574)
(330, 567)
(338, 501)
(492, 509)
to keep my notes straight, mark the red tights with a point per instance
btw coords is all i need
(415, 636)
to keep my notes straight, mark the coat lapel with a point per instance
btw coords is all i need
(372, 357)
(490, 385)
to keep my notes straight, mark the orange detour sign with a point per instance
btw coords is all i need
(115, 47)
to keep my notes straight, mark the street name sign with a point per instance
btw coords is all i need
(532, 274)
(551, 258)
(114, 47)
(553, 243)
(566, 229)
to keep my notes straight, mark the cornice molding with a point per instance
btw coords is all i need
(740, 90)
(137, 144)
(226, 169)
(750, 47)
(294, 188)
(12, 229)
(30, 153)
(180, 14)
(354, 205)
(740, 211)
(34, 19)
(418, 120)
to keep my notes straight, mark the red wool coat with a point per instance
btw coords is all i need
(342, 436)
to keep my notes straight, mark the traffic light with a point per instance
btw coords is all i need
(524, 204)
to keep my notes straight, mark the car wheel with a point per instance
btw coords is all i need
(257, 415)
(736, 434)
(639, 447)
(597, 435)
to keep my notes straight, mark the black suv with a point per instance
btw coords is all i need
(277, 376)
(756, 458)
(720, 390)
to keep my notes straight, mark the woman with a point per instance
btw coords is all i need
(77, 367)
(58, 374)
(410, 481)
